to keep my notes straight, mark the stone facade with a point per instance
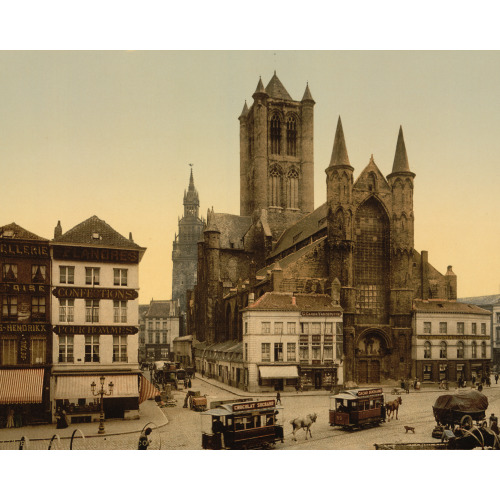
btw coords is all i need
(363, 236)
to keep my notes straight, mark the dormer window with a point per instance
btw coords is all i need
(8, 234)
(96, 236)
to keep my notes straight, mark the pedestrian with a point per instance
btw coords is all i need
(494, 424)
(189, 383)
(278, 397)
(496, 378)
(144, 439)
(407, 386)
(488, 381)
(473, 380)
(218, 431)
(185, 383)
(10, 418)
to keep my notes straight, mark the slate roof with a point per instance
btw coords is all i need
(276, 90)
(232, 228)
(143, 309)
(283, 301)
(18, 233)
(483, 300)
(108, 237)
(162, 309)
(446, 306)
(303, 229)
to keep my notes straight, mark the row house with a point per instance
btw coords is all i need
(25, 331)
(451, 340)
(95, 320)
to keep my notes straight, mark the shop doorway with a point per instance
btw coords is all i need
(278, 384)
(317, 379)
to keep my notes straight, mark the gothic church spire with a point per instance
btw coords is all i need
(339, 153)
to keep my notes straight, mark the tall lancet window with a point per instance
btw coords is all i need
(275, 135)
(292, 195)
(291, 136)
(275, 187)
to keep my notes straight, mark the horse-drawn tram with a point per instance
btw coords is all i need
(242, 425)
(357, 408)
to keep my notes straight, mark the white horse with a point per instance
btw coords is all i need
(303, 423)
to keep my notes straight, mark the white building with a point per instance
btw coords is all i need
(291, 340)
(95, 278)
(450, 340)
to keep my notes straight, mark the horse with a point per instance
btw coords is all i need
(303, 423)
(391, 407)
(477, 437)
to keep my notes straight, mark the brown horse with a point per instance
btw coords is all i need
(391, 407)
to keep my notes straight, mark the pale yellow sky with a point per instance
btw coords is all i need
(112, 133)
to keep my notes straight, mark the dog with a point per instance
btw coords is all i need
(408, 428)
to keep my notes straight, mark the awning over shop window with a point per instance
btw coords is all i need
(278, 372)
(147, 391)
(78, 386)
(21, 386)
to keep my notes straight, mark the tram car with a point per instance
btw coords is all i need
(357, 408)
(241, 426)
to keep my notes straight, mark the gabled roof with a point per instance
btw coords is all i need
(361, 181)
(284, 301)
(143, 309)
(14, 232)
(276, 90)
(84, 233)
(162, 309)
(232, 228)
(446, 306)
(303, 229)
(483, 300)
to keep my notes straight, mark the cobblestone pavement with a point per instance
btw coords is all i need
(183, 431)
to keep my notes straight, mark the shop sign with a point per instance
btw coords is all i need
(370, 392)
(16, 328)
(24, 250)
(94, 330)
(90, 254)
(66, 292)
(19, 288)
(23, 349)
(335, 314)
(254, 405)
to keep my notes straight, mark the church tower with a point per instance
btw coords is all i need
(276, 153)
(185, 252)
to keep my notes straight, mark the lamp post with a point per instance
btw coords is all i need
(101, 392)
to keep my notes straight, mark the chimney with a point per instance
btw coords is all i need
(251, 299)
(130, 237)
(294, 300)
(277, 277)
(58, 230)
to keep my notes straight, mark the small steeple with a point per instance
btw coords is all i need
(400, 158)
(130, 236)
(245, 111)
(339, 153)
(307, 94)
(191, 181)
(58, 230)
(211, 224)
(260, 88)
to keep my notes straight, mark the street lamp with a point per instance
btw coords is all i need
(101, 392)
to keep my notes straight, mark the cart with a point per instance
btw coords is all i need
(411, 446)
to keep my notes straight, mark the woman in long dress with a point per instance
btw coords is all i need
(10, 418)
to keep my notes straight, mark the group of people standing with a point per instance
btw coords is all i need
(14, 418)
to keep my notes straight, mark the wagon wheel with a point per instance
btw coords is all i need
(466, 422)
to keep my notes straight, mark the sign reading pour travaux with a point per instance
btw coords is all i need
(66, 292)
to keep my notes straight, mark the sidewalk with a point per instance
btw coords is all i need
(387, 387)
(150, 413)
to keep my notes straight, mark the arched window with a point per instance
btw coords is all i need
(275, 187)
(427, 350)
(292, 195)
(443, 350)
(483, 349)
(460, 349)
(275, 135)
(372, 183)
(474, 349)
(291, 136)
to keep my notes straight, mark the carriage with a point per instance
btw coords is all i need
(357, 408)
(241, 425)
(462, 408)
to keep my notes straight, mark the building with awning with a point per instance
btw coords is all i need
(280, 371)
(21, 386)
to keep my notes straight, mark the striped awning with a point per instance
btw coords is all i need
(147, 391)
(278, 371)
(21, 385)
(78, 386)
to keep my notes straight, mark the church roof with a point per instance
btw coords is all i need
(276, 90)
(446, 306)
(84, 233)
(232, 228)
(303, 229)
(288, 301)
(482, 300)
(162, 309)
(15, 232)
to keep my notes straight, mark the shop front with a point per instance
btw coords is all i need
(315, 377)
(278, 377)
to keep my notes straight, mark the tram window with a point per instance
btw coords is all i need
(229, 422)
(257, 420)
(269, 419)
(239, 424)
(372, 404)
(377, 403)
(249, 424)
(354, 405)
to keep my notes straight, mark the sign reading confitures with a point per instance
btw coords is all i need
(118, 256)
(67, 292)
(94, 330)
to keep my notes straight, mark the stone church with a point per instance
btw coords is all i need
(363, 236)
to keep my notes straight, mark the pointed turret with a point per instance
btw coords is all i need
(244, 112)
(307, 94)
(260, 89)
(400, 158)
(339, 153)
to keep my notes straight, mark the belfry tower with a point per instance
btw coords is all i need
(185, 251)
(276, 153)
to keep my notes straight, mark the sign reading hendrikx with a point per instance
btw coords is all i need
(61, 252)
(23, 328)
(94, 330)
(68, 292)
